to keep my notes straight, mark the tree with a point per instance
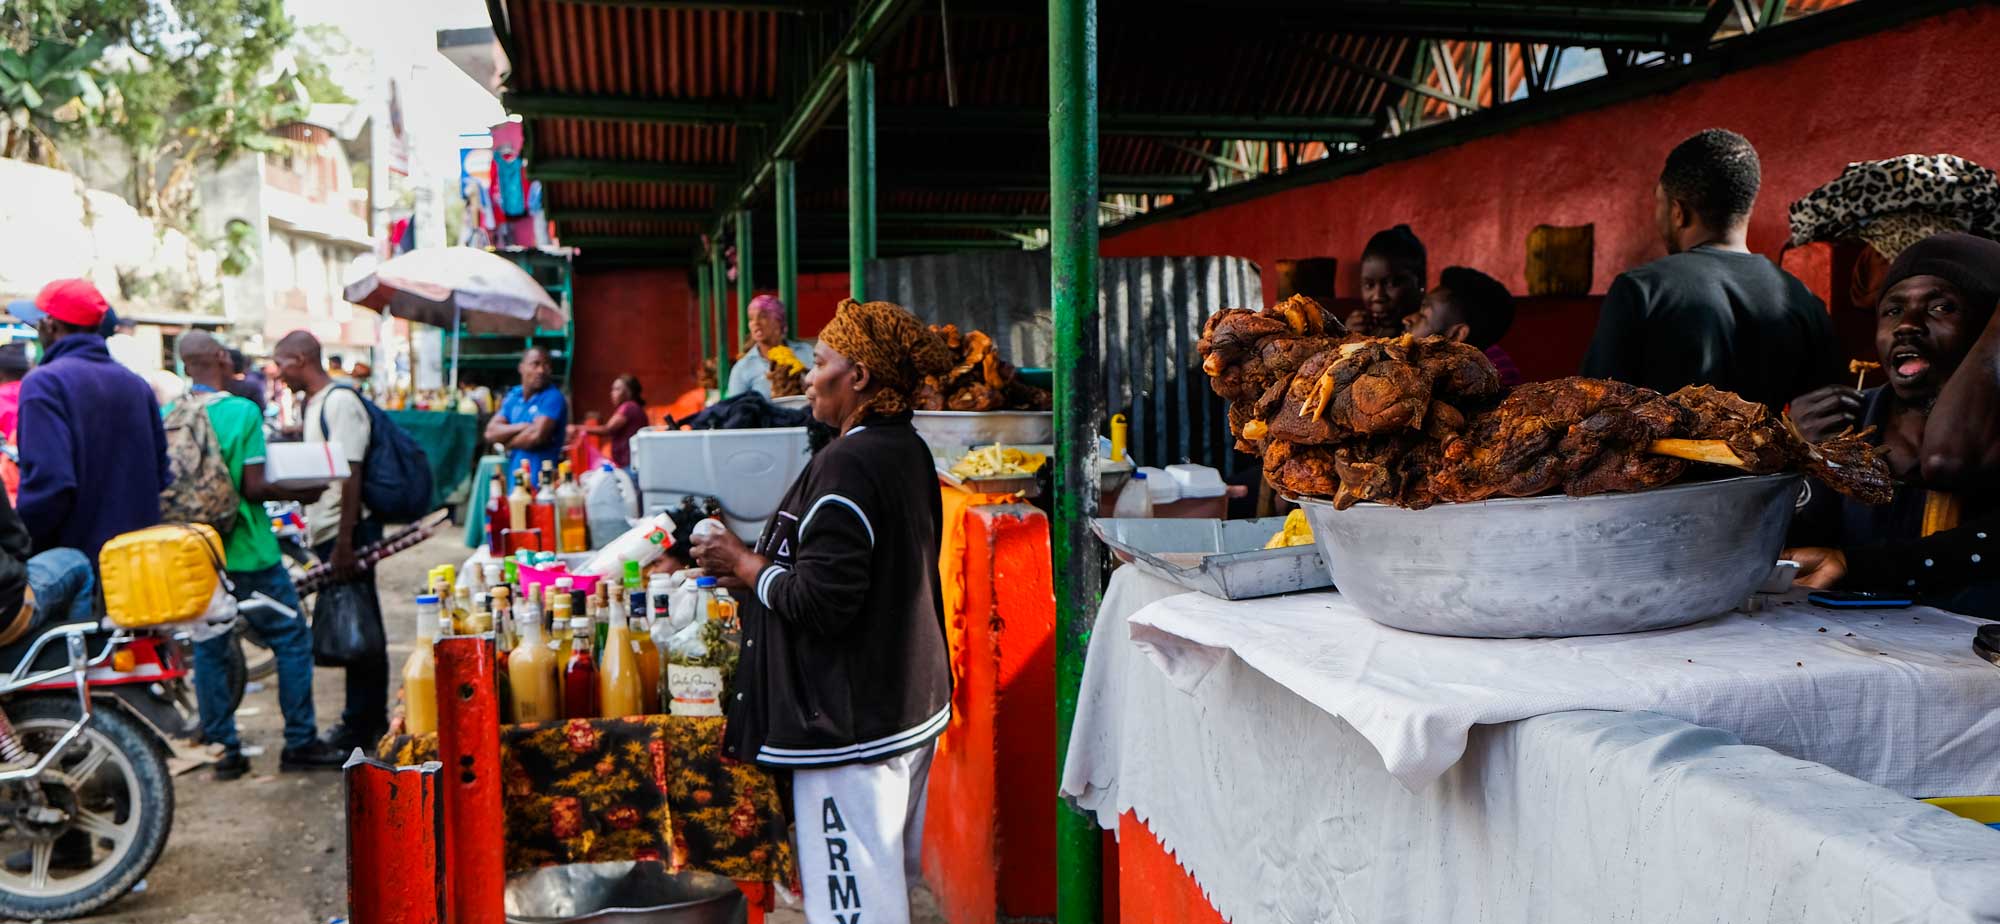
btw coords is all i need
(44, 88)
(186, 83)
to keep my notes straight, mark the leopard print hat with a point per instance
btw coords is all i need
(1894, 203)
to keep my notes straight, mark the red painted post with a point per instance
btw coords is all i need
(469, 747)
(759, 896)
(395, 858)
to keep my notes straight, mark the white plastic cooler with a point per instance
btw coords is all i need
(747, 470)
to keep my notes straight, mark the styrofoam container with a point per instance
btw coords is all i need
(293, 466)
(949, 430)
(1197, 481)
(748, 471)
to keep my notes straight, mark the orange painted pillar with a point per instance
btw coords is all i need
(475, 827)
(395, 859)
(990, 832)
(1153, 888)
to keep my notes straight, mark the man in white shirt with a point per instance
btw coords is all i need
(337, 525)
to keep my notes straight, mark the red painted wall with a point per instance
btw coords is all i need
(640, 321)
(1473, 204)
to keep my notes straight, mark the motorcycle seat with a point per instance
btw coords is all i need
(54, 653)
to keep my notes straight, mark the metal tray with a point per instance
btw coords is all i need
(1221, 558)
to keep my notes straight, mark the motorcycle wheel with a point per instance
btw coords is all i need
(117, 799)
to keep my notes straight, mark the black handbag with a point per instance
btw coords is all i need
(347, 626)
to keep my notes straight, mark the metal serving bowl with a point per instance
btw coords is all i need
(1560, 566)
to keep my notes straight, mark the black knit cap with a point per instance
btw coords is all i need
(1399, 246)
(14, 359)
(1971, 264)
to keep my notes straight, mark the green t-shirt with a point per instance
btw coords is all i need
(239, 428)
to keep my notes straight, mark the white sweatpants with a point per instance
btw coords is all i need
(861, 836)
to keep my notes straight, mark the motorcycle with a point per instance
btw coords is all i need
(86, 796)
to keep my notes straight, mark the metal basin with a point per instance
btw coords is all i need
(622, 893)
(952, 432)
(1560, 566)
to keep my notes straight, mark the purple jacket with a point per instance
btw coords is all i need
(93, 451)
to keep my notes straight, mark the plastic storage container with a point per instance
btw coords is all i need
(747, 471)
(161, 574)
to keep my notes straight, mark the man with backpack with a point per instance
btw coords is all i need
(209, 427)
(93, 451)
(337, 525)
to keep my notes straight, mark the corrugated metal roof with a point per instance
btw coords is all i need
(971, 110)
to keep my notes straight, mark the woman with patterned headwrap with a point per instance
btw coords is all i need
(844, 678)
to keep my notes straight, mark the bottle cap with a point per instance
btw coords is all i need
(632, 570)
(704, 582)
(563, 583)
(427, 600)
(579, 622)
(1138, 476)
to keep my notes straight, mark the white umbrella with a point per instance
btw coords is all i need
(447, 286)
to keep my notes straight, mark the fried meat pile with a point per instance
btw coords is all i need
(980, 381)
(1415, 422)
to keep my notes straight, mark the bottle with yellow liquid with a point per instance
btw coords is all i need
(420, 711)
(619, 681)
(519, 500)
(572, 523)
(561, 608)
(531, 672)
(643, 643)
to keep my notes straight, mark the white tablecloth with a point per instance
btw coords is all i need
(1284, 813)
(1894, 697)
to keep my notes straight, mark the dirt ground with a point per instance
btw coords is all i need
(271, 848)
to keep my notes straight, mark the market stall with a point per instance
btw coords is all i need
(1266, 779)
(451, 445)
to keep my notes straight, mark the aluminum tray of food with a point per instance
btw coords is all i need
(1221, 558)
(1557, 565)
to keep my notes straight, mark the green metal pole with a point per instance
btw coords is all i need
(1078, 408)
(860, 174)
(788, 242)
(718, 314)
(745, 284)
(701, 309)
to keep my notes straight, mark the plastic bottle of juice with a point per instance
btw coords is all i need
(558, 615)
(644, 642)
(542, 516)
(579, 692)
(461, 612)
(519, 500)
(498, 518)
(531, 672)
(723, 613)
(619, 683)
(572, 520)
(420, 710)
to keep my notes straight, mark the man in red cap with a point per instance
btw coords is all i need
(93, 451)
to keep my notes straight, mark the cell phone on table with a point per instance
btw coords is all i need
(1857, 600)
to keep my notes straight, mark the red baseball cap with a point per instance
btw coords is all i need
(73, 301)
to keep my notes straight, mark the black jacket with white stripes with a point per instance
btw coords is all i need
(844, 658)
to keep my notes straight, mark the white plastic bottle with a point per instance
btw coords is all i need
(1135, 501)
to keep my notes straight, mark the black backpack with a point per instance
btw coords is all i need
(396, 475)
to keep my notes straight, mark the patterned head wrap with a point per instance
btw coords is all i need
(1891, 204)
(897, 349)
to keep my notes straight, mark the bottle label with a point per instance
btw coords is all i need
(696, 691)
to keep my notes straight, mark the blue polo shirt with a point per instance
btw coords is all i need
(521, 408)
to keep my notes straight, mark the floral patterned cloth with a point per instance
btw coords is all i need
(639, 788)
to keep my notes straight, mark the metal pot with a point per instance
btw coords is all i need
(1558, 565)
(622, 893)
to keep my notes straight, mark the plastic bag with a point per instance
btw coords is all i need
(220, 618)
(347, 626)
(686, 644)
(642, 543)
(683, 601)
